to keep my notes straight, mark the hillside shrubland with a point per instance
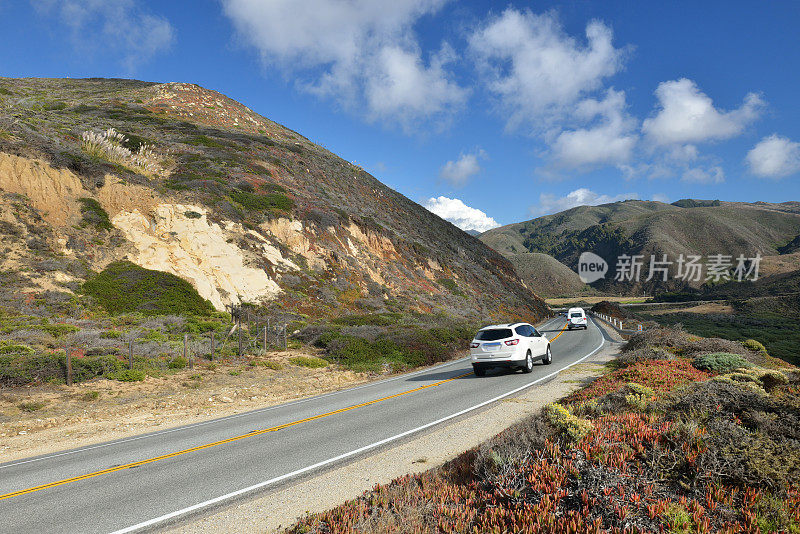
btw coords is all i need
(655, 444)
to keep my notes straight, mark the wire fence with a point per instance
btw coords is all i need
(249, 333)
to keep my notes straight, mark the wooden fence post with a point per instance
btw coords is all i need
(212, 345)
(186, 355)
(239, 328)
(69, 366)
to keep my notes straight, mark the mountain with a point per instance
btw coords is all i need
(551, 277)
(183, 180)
(649, 227)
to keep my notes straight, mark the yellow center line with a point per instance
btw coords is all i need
(221, 442)
(560, 332)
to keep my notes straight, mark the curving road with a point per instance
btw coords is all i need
(145, 482)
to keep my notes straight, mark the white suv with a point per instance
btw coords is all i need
(576, 318)
(513, 345)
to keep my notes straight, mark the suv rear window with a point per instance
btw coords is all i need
(493, 335)
(576, 314)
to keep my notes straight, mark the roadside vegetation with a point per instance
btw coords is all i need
(683, 434)
(773, 322)
(389, 342)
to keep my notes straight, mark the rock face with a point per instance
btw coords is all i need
(190, 247)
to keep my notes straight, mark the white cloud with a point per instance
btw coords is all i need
(458, 172)
(458, 213)
(119, 27)
(774, 157)
(660, 197)
(536, 69)
(687, 115)
(700, 175)
(361, 53)
(549, 203)
(610, 141)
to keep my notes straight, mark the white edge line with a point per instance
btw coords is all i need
(234, 416)
(323, 463)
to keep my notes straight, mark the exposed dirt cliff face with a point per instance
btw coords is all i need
(245, 209)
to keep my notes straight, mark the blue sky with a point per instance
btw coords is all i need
(488, 113)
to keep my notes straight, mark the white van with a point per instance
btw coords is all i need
(576, 318)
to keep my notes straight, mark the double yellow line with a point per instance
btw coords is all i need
(229, 440)
(221, 442)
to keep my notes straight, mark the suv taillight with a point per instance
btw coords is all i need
(512, 342)
(474, 345)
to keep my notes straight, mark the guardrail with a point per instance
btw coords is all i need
(618, 324)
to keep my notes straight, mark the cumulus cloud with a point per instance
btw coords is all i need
(362, 53)
(774, 157)
(458, 213)
(687, 115)
(700, 175)
(549, 203)
(119, 27)
(458, 172)
(609, 141)
(536, 69)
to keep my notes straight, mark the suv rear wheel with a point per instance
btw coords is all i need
(528, 363)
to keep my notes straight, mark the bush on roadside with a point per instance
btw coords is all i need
(129, 375)
(311, 362)
(720, 362)
(124, 287)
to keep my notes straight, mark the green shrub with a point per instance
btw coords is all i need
(262, 202)
(178, 362)
(752, 344)
(58, 330)
(275, 366)
(124, 287)
(87, 368)
(94, 215)
(572, 426)
(32, 406)
(91, 395)
(720, 362)
(111, 334)
(16, 349)
(373, 319)
(309, 361)
(155, 335)
(204, 140)
(129, 375)
(192, 215)
(678, 519)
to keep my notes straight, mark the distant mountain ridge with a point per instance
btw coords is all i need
(650, 227)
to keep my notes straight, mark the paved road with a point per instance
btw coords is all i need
(146, 481)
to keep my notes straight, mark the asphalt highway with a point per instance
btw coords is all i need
(148, 481)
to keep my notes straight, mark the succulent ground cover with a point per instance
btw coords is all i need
(655, 445)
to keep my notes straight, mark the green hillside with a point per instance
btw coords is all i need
(649, 227)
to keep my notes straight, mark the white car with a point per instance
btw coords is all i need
(576, 318)
(513, 345)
